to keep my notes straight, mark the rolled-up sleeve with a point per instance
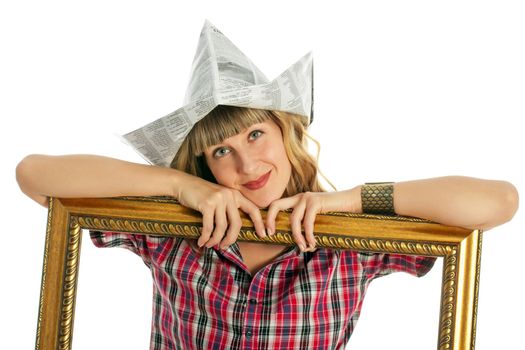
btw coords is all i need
(382, 264)
(144, 246)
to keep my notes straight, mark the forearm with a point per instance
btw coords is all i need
(457, 201)
(71, 176)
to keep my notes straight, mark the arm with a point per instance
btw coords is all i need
(451, 200)
(91, 176)
(457, 201)
(70, 176)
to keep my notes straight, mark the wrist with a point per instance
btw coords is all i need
(354, 200)
(175, 179)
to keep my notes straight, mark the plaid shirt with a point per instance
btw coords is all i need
(308, 300)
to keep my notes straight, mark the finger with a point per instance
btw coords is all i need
(274, 209)
(296, 219)
(207, 226)
(234, 227)
(220, 227)
(255, 215)
(308, 224)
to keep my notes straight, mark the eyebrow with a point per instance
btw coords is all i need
(246, 131)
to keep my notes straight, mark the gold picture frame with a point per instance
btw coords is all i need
(460, 248)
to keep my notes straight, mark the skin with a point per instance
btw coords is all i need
(243, 158)
(450, 200)
(249, 155)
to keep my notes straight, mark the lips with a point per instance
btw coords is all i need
(260, 182)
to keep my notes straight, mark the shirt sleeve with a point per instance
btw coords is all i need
(381, 264)
(145, 246)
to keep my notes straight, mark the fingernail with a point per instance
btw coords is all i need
(303, 247)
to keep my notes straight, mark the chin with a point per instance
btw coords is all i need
(262, 204)
(265, 202)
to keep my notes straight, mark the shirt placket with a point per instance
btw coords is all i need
(252, 312)
(253, 302)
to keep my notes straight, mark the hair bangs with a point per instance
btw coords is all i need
(221, 123)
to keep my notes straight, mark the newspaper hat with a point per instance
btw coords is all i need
(222, 75)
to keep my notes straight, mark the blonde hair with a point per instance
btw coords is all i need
(227, 121)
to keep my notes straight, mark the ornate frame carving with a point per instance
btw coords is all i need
(460, 248)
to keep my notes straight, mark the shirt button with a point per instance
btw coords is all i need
(253, 301)
(249, 333)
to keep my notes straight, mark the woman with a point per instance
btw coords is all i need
(238, 295)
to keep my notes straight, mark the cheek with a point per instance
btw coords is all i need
(282, 158)
(219, 178)
(220, 174)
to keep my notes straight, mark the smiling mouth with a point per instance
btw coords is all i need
(260, 182)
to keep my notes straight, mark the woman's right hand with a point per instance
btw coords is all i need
(219, 205)
(41, 176)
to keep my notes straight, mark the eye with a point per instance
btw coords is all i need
(220, 152)
(257, 133)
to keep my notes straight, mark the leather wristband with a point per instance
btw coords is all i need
(378, 198)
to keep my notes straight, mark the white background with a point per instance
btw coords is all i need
(403, 90)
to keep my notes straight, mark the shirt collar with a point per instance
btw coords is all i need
(233, 254)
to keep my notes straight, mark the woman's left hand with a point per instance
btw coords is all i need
(305, 208)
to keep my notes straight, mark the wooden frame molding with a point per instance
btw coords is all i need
(460, 248)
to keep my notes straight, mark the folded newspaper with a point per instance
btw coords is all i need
(223, 75)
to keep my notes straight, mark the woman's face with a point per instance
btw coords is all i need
(253, 162)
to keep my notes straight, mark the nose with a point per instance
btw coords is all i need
(247, 162)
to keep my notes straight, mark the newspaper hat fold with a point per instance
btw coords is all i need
(222, 75)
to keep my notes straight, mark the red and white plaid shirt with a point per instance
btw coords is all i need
(308, 300)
